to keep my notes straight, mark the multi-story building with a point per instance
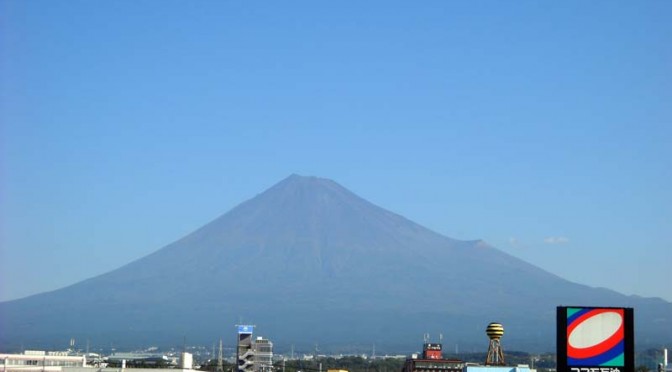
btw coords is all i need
(253, 355)
(39, 361)
(263, 355)
(432, 361)
(244, 352)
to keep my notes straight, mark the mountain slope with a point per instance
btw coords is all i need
(308, 261)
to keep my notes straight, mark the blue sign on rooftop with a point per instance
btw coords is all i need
(245, 329)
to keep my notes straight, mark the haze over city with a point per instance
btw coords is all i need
(544, 129)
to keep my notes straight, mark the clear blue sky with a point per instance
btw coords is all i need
(544, 128)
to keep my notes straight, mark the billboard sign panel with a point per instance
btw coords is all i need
(245, 329)
(595, 339)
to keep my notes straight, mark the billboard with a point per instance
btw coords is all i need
(245, 329)
(595, 339)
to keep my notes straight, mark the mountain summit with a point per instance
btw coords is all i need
(309, 261)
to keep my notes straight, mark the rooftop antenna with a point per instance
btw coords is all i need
(220, 358)
(426, 337)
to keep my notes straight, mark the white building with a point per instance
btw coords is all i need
(263, 355)
(39, 361)
(479, 368)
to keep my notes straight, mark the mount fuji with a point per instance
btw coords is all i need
(309, 262)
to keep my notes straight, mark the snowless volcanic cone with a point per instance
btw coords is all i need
(309, 262)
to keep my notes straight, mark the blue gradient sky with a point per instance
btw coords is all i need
(544, 128)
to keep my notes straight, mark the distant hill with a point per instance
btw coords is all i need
(309, 262)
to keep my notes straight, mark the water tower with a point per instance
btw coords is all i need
(495, 357)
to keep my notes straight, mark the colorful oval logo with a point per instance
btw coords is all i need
(596, 337)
